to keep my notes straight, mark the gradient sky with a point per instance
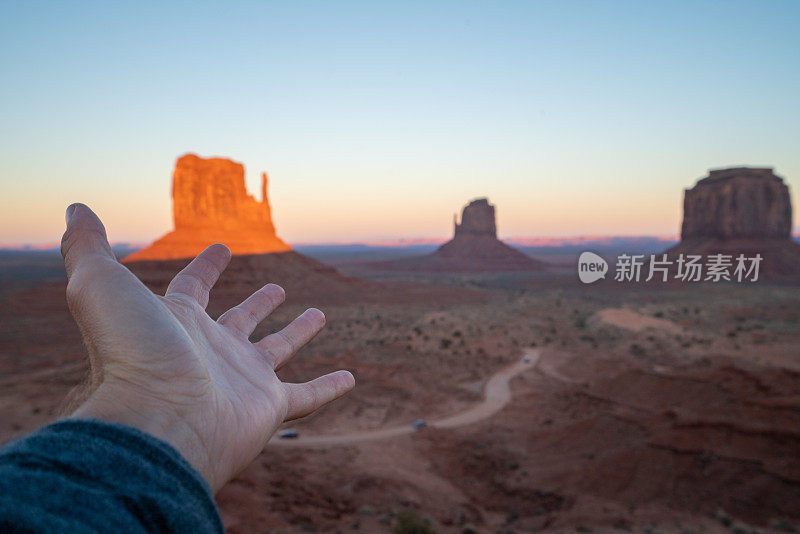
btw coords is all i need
(379, 120)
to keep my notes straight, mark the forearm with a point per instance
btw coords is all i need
(77, 475)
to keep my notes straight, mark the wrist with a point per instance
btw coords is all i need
(113, 405)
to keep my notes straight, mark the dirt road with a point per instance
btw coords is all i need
(496, 395)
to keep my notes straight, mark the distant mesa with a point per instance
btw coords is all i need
(737, 203)
(741, 210)
(210, 204)
(474, 248)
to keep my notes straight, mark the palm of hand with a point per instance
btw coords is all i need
(162, 364)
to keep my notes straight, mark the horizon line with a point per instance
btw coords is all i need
(542, 241)
(406, 242)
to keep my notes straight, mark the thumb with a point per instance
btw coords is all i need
(85, 238)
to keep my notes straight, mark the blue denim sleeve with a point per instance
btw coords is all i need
(81, 475)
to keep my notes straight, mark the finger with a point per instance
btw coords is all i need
(196, 279)
(311, 396)
(246, 316)
(280, 346)
(84, 239)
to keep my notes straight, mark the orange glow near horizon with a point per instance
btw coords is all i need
(355, 207)
(141, 218)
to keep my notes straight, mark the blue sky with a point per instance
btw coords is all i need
(379, 120)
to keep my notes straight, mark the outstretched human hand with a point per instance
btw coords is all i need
(161, 364)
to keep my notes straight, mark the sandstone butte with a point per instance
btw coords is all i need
(741, 210)
(210, 204)
(474, 248)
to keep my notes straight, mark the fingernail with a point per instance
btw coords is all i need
(70, 211)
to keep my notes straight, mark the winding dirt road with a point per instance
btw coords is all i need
(496, 395)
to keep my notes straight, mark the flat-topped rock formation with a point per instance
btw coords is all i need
(477, 219)
(474, 248)
(737, 203)
(741, 210)
(210, 204)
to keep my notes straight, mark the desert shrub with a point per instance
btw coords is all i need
(637, 350)
(409, 522)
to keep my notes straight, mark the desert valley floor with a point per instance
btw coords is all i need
(642, 407)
